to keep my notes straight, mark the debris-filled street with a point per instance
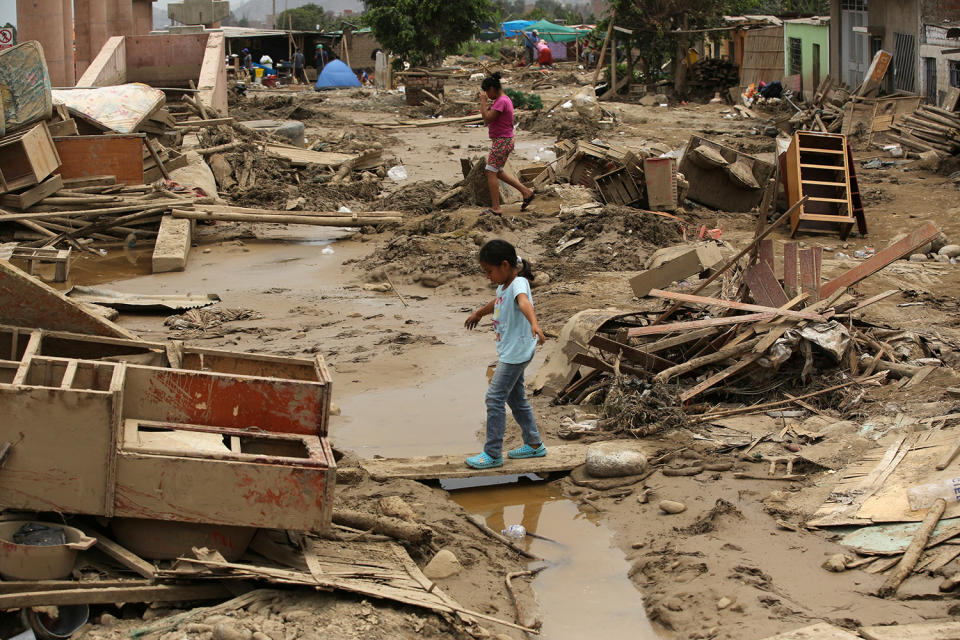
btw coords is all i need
(249, 389)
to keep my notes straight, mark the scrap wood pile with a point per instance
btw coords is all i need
(821, 114)
(758, 336)
(928, 128)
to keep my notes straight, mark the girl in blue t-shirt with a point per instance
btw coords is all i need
(518, 334)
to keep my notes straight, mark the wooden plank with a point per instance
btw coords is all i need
(33, 195)
(85, 156)
(645, 360)
(763, 285)
(698, 324)
(124, 556)
(808, 278)
(765, 253)
(66, 127)
(89, 181)
(790, 285)
(720, 376)
(882, 258)
(597, 363)
(732, 304)
(689, 263)
(873, 299)
(919, 377)
(110, 595)
(690, 336)
(944, 630)
(562, 457)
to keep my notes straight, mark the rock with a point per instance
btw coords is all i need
(950, 250)
(334, 409)
(837, 562)
(723, 603)
(540, 278)
(108, 620)
(197, 628)
(615, 460)
(940, 258)
(919, 257)
(396, 507)
(153, 614)
(661, 98)
(638, 545)
(260, 635)
(349, 475)
(672, 604)
(228, 631)
(670, 506)
(939, 242)
(382, 287)
(432, 282)
(443, 565)
(929, 160)
(648, 100)
(295, 615)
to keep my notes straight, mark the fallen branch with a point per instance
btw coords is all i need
(912, 554)
(480, 524)
(521, 619)
(384, 525)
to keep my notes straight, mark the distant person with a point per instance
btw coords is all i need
(517, 333)
(247, 62)
(322, 58)
(499, 120)
(530, 42)
(544, 55)
(299, 73)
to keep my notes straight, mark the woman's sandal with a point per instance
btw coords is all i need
(491, 212)
(527, 201)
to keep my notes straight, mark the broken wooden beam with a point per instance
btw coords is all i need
(142, 592)
(325, 220)
(732, 304)
(882, 258)
(645, 360)
(698, 324)
(912, 554)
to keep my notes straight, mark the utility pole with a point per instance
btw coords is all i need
(274, 15)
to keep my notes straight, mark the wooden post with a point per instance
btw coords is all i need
(613, 62)
(603, 49)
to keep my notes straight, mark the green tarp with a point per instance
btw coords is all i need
(555, 32)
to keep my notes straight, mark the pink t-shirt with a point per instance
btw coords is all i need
(502, 126)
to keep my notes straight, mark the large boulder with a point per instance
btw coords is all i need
(615, 459)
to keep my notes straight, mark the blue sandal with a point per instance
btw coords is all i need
(526, 451)
(483, 461)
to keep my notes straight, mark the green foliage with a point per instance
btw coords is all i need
(523, 100)
(476, 49)
(306, 18)
(423, 31)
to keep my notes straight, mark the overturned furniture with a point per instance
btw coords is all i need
(123, 428)
(723, 178)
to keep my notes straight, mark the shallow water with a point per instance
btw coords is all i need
(584, 592)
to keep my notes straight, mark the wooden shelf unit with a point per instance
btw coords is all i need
(818, 167)
(27, 158)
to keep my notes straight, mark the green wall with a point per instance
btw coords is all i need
(809, 35)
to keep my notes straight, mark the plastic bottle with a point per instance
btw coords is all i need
(517, 531)
(924, 495)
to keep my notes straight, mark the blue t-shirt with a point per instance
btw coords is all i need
(515, 340)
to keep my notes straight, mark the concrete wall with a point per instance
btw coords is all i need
(887, 17)
(48, 22)
(109, 67)
(164, 60)
(212, 81)
(809, 35)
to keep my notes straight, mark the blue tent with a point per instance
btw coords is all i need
(337, 74)
(513, 28)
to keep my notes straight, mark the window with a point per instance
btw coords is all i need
(796, 56)
(954, 73)
(853, 5)
(930, 66)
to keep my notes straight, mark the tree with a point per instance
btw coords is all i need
(662, 29)
(309, 17)
(423, 31)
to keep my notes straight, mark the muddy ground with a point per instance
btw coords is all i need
(409, 380)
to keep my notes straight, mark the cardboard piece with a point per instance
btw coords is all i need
(695, 260)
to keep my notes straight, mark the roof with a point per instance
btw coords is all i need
(250, 32)
(817, 21)
(753, 21)
(555, 32)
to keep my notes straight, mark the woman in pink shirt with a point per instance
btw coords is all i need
(498, 117)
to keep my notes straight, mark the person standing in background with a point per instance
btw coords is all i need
(299, 72)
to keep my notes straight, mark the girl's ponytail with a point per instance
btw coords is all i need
(525, 267)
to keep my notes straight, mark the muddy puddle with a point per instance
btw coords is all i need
(584, 592)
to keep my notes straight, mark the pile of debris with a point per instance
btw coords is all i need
(645, 372)
(927, 129)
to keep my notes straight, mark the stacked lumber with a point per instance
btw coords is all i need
(929, 128)
(652, 370)
(714, 73)
(820, 114)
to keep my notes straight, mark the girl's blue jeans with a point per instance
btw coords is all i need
(506, 387)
